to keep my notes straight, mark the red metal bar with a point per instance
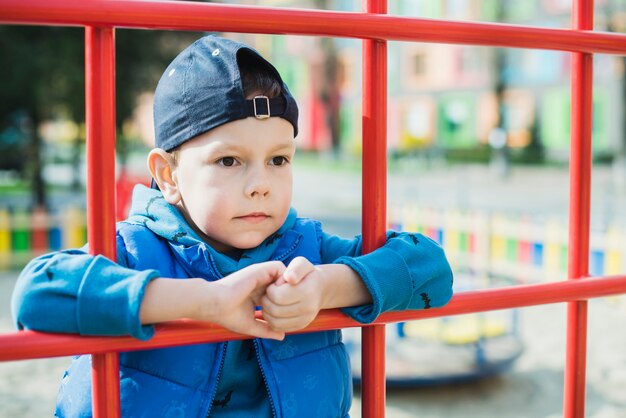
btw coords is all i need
(105, 381)
(253, 19)
(100, 121)
(100, 150)
(374, 197)
(579, 214)
(31, 344)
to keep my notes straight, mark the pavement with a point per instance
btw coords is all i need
(533, 388)
(534, 191)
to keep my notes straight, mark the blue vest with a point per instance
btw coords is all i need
(307, 375)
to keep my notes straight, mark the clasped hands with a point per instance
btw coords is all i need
(290, 298)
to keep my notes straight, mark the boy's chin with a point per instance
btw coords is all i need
(246, 243)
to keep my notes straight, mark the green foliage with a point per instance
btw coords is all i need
(43, 77)
(479, 153)
(534, 153)
(141, 58)
(43, 70)
(13, 146)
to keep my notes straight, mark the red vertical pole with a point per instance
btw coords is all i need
(374, 203)
(100, 121)
(579, 212)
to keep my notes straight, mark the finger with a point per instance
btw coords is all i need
(265, 275)
(297, 270)
(280, 281)
(287, 324)
(262, 329)
(283, 295)
(253, 278)
(257, 294)
(269, 272)
(257, 299)
(275, 311)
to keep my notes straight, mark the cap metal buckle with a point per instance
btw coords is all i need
(267, 101)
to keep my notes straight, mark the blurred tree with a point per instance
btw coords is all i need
(329, 89)
(498, 137)
(43, 72)
(43, 76)
(141, 57)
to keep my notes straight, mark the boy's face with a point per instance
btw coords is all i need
(234, 182)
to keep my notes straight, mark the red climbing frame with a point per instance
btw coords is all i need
(100, 17)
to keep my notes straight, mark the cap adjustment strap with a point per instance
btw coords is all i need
(262, 107)
(260, 99)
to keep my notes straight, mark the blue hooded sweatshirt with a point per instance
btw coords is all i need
(305, 375)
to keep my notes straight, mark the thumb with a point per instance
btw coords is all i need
(297, 270)
(268, 273)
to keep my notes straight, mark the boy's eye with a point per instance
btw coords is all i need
(279, 161)
(227, 161)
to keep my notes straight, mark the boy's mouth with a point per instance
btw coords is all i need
(254, 217)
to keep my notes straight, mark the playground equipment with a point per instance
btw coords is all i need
(445, 350)
(100, 17)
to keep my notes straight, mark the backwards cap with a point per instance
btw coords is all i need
(202, 89)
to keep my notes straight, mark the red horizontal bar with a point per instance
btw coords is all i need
(268, 20)
(31, 344)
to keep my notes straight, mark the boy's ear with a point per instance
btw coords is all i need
(163, 171)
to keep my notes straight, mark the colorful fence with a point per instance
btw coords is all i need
(519, 247)
(24, 235)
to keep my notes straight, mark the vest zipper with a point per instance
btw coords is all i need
(219, 374)
(257, 349)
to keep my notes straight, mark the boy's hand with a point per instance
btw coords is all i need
(229, 302)
(295, 299)
(239, 294)
(291, 297)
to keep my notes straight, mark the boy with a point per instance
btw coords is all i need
(219, 217)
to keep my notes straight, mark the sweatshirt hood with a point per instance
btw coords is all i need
(150, 208)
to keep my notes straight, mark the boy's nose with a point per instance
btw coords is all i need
(258, 185)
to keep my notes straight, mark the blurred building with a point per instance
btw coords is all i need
(445, 97)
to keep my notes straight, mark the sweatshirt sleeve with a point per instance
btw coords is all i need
(410, 271)
(74, 292)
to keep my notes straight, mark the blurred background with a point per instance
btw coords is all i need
(478, 150)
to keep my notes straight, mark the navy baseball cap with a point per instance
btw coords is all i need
(202, 89)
